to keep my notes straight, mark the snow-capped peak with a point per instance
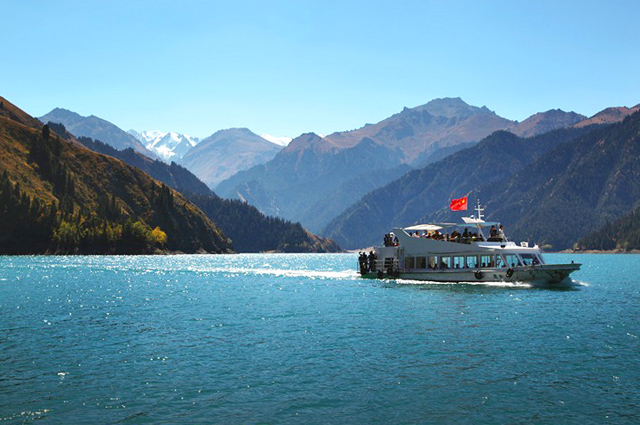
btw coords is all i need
(278, 140)
(168, 145)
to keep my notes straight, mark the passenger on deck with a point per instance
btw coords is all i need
(362, 261)
(372, 261)
(501, 233)
(465, 236)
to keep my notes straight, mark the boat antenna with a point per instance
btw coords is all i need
(479, 209)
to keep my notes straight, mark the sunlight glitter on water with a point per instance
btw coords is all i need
(301, 338)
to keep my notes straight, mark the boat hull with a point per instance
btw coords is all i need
(540, 274)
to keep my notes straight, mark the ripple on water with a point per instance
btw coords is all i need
(302, 338)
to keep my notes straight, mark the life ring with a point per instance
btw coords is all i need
(478, 274)
(510, 272)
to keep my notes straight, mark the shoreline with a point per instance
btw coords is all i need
(595, 251)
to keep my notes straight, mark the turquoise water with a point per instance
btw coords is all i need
(301, 339)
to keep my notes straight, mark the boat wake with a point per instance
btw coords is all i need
(309, 274)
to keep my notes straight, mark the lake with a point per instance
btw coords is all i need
(300, 338)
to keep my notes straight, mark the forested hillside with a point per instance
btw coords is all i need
(252, 231)
(622, 234)
(60, 197)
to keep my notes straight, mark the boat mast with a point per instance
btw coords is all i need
(479, 209)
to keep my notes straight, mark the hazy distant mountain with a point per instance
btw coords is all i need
(304, 180)
(226, 152)
(96, 128)
(543, 122)
(609, 116)
(169, 146)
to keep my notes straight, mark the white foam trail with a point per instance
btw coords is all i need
(312, 274)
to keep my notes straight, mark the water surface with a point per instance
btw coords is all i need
(302, 339)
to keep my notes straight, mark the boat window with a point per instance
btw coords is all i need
(472, 261)
(433, 262)
(410, 262)
(486, 260)
(512, 260)
(499, 261)
(530, 259)
(445, 262)
(421, 262)
(458, 262)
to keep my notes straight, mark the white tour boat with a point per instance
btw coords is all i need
(423, 252)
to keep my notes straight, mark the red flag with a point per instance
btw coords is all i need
(459, 204)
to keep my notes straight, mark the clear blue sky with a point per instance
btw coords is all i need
(289, 67)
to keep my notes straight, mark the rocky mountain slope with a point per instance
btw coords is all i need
(545, 121)
(609, 116)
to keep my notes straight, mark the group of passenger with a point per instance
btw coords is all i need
(496, 235)
(367, 263)
(390, 240)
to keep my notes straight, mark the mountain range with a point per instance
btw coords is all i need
(332, 183)
(212, 159)
(552, 189)
(301, 182)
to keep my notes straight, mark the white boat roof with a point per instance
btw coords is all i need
(468, 222)
(429, 227)
(479, 222)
